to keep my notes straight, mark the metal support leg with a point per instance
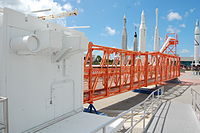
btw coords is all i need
(92, 109)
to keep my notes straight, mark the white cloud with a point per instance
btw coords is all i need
(110, 31)
(115, 5)
(189, 12)
(192, 10)
(137, 3)
(174, 16)
(186, 14)
(172, 29)
(67, 6)
(185, 51)
(27, 6)
(78, 1)
(80, 9)
(182, 25)
(32, 5)
(103, 34)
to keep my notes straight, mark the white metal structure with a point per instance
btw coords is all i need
(77, 27)
(196, 44)
(156, 34)
(60, 15)
(142, 34)
(43, 10)
(41, 74)
(165, 43)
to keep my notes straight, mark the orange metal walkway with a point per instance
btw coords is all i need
(118, 71)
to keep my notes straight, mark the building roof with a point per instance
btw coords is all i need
(187, 58)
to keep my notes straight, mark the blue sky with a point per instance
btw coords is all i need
(106, 19)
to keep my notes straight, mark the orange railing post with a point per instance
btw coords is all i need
(146, 69)
(156, 69)
(90, 74)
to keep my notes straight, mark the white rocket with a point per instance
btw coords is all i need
(124, 35)
(135, 42)
(156, 34)
(196, 44)
(142, 34)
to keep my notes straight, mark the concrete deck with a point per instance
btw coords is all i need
(175, 117)
(83, 123)
(180, 113)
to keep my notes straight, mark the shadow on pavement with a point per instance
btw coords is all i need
(115, 109)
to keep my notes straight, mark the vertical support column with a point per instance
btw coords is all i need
(178, 66)
(90, 74)
(132, 71)
(173, 68)
(120, 74)
(146, 69)
(139, 62)
(156, 69)
(161, 68)
(107, 73)
(170, 69)
(139, 67)
(166, 69)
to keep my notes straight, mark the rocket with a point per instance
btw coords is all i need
(196, 44)
(156, 34)
(135, 42)
(124, 35)
(142, 34)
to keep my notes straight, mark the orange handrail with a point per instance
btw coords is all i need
(121, 70)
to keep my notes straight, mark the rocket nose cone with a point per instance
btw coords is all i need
(142, 13)
(197, 22)
(135, 35)
(142, 17)
(156, 10)
(124, 16)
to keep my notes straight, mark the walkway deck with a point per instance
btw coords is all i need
(174, 117)
(83, 123)
(178, 114)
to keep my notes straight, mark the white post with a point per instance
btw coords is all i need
(104, 129)
(144, 116)
(5, 114)
(132, 120)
